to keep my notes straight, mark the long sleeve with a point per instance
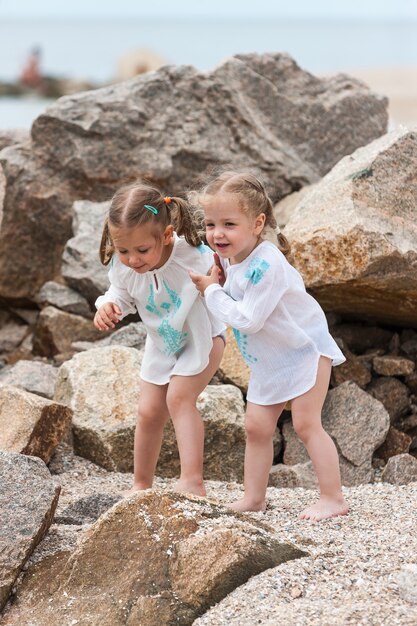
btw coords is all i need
(264, 287)
(118, 294)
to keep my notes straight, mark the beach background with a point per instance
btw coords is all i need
(374, 41)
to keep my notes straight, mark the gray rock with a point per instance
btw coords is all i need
(154, 559)
(400, 470)
(81, 266)
(13, 136)
(254, 111)
(33, 376)
(407, 582)
(354, 237)
(290, 476)
(393, 394)
(56, 331)
(12, 335)
(131, 336)
(393, 365)
(102, 387)
(87, 510)
(28, 499)
(64, 298)
(30, 424)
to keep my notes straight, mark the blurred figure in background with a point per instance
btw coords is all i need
(31, 73)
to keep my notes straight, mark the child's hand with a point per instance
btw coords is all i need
(202, 282)
(222, 277)
(107, 316)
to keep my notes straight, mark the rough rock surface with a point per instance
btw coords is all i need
(81, 266)
(33, 376)
(354, 237)
(291, 476)
(393, 394)
(400, 470)
(28, 499)
(30, 424)
(407, 582)
(64, 298)
(393, 365)
(357, 423)
(11, 137)
(102, 387)
(252, 111)
(396, 442)
(131, 336)
(56, 331)
(154, 559)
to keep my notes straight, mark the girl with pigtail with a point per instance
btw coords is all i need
(281, 331)
(151, 242)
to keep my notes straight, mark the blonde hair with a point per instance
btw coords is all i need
(253, 200)
(128, 210)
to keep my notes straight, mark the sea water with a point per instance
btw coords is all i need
(90, 49)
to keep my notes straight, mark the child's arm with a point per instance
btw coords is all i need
(260, 298)
(115, 304)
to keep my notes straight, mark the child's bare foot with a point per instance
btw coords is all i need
(134, 489)
(247, 505)
(188, 486)
(325, 507)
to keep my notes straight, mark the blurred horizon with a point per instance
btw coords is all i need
(86, 40)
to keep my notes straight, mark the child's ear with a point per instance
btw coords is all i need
(259, 223)
(168, 233)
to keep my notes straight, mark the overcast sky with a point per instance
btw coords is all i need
(367, 9)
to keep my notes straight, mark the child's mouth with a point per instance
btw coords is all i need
(221, 246)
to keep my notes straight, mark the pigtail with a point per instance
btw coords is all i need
(184, 221)
(106, 249)
(282, 242)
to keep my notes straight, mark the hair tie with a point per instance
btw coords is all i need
(167, 199)
(151, 208)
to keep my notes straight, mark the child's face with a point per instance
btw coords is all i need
(140, 249)
(229, 231)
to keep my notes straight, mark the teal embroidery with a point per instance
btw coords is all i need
(202, 248)
(174, 339)
(256, 270)
(241, 341)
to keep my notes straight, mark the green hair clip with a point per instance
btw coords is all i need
(151, 208)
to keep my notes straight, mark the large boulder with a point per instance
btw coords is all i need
(253, 111)
(101, 386)
(81, 265)
(354, 236)
(30, 424)
(155, 559)
(28, 498)
(33, 376)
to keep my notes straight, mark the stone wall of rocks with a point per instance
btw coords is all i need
(353, 233)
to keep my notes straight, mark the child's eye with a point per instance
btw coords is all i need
(230, 224)
(143, 251)
(122, 251)
(209, 225)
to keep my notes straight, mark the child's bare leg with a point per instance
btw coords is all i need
(152, 417)
(182, 395)
(261, 422)
(306, 414)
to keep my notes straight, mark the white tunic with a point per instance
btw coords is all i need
(179, 326)
(281, 330)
